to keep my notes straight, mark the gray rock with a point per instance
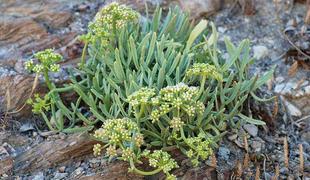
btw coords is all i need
(198, 8)
(78, 172)
(224, 153)
(284, 170)
(59, 176)
(260, 51)
(233, 137)
(306, 136)
(292, 109)
(251, 129)
(257, 146)
(62, 169)
(39, 176)
(26, 127)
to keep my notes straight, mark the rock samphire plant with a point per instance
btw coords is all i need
(152, 85)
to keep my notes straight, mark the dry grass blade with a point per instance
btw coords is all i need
(275, 107)
(307, 18)
(296, 47)
(301, 159)
(257, 173)
(246, 161)
(246, 145)
(300, 83)
(213, 161)
(8, 106)
(293, 69)
(239, 170)
(286, 152)
(276, 173)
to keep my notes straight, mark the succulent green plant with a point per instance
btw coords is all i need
(154, 85)
(144, 54)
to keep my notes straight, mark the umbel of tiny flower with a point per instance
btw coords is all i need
(111, 17)
(127, 154)
(97, 149)
(160, 159)
(47, 61)
(119, 133)
(200, 148)
(141, 97)
(181, 98)
(117, 130)
(203, 69)
(176, 123)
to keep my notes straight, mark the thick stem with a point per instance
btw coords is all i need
(47, 80)
(60, 90)
(144, 173)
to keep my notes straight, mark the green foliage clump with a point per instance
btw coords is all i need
(155, 85)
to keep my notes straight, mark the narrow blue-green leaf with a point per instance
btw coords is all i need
(251, 120)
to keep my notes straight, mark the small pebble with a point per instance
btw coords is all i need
(260, 51)
(233, 137)
(59, 176)
(62, 169)
(223, 153)
(257, 146)
(78, 171)
(251, 129)
(284, 170)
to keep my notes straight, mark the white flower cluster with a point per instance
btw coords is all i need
(119, 133)
(112, 17)
(203, 69)
(179, 97)
(160, 159)
(47, 61)
(202, 148)
(142, 96)
(176, 123)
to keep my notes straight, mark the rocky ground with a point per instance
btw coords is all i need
(279, 37)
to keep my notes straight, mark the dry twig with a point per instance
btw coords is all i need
(286, 152)
(257, 173)
(293, 69)
(296, 47)
(246, 161)
(246, 145)
(277, 173)
(213, 161)
(301, 159)
(275, 107)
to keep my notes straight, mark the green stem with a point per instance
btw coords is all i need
(184, 138)
(47, 122)
(202, 85)
(141, 111)
(144, 173)
(138, 117)
(84, 54)
(47, 80)
(182, 134)
(60, 90)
